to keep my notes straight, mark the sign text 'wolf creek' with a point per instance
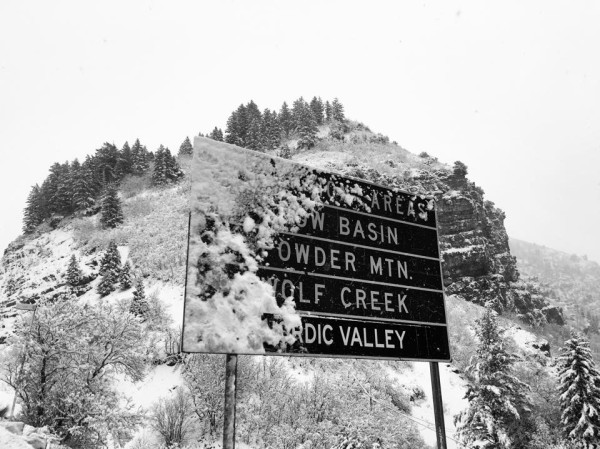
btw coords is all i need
(363, 268)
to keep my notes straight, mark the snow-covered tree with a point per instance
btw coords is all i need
(216, 134)
(139, 305)
(306, 128)
(186, 148)
(285, 119)
(111, 260)
(73, 271)
(139, 158)
(125, 277)
(337, 111)
(497, 399)
(328, 112)
(84, 187)
(33, 214)
(65, 379)
(173, 419)
(579, 393)
(166, 168)
(111, 212)
(270, 130)
(318, 110)
(107, 283)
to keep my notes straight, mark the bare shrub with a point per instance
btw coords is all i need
(132, 185)
(172, 419)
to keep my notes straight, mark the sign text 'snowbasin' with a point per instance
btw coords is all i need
(363, 269)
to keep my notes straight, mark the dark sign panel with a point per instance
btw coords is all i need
(347, 297)
(359, 262)
(355, 338)
(328, 257)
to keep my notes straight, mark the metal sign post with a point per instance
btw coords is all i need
(438, 406)
(230, 398)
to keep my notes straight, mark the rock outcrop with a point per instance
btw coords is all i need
(477, 262)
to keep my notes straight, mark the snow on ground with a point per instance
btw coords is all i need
(6, 399)
(453, 391)
(123, 253)
(324, 159)
(171, 296)
(160, 382)
(465, 249)
(11, 441)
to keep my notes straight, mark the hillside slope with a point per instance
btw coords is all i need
(331, 394)
(568, 281)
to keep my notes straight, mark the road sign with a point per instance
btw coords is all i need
(360, 262)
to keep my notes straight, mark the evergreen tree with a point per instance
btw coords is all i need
(299, 108)
(84, 187)
(33, 214)
(252, 114)
(111, 213)
(186, 148)
(497, 399)
(579, 393)
(337, 111)
(285, 119)
(62, 201)
(166, 168)
(306, 126)
(55, 189)
(74, 273)
(270, 131)
(139, 304)
(124, 164)
(216, 134)
(125, 279)
(328, 112)
(159, 174)
(237, 127)
(316, 106)
(173, 171)
(139, 158)
(107, 284)
(111, 260)
(106, 163)
(254, 139)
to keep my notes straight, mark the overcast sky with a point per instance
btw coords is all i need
(512, 89)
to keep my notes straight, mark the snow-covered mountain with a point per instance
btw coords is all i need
(282, 402)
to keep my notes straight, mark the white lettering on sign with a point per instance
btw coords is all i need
(338, 259)
(376, 300)
(375, 233)
(371, 338)
(311, 334)
(317, 219)
(377, 267)
(287, 288)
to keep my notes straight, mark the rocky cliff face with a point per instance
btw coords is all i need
(477, 263)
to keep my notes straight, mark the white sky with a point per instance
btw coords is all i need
(510, 88)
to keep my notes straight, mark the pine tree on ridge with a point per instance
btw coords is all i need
(111, 213)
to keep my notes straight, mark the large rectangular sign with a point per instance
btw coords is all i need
(289, 259)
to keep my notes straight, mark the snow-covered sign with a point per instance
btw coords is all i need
(289, 259)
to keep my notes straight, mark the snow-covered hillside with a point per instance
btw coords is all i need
(282, 401)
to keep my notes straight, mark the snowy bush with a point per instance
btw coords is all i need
(172, 419)
(69, 358)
